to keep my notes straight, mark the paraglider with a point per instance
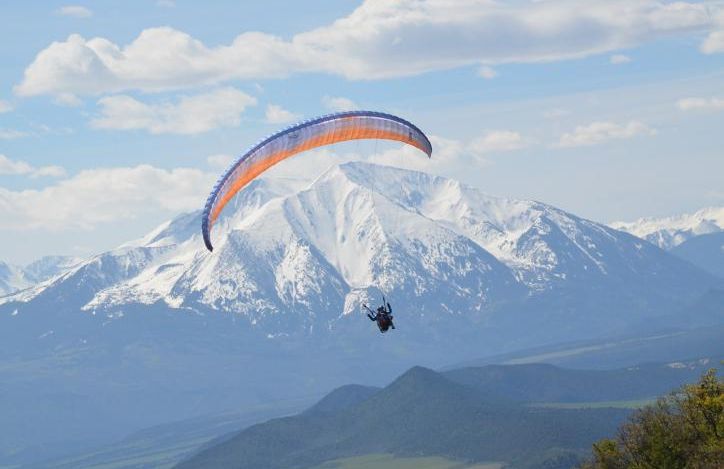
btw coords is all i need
(383, 316)
(307, 135)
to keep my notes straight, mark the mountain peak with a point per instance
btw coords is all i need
(296, 258)
(669, 232)
(343, 398)
(419, 377)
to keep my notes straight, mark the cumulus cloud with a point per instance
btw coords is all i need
(49, 171)
(601, 132)
(8, 166)
(17, 167)
(377, 40)
(619, 59)
(487, 72)
(67, 99)
(10, 134)
(339, 103)
(220, 161)
(76, 11)
(714, 43)
(703, 104)
(496, 141)
(191, 115)
(99, 196)
(5, 106)
(278, 115)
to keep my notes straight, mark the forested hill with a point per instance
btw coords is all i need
(477, 414)
(421, 413)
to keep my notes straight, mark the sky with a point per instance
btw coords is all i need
(118, 115)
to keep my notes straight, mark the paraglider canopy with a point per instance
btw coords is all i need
(314, 133)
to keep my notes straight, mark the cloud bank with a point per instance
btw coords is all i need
(276, 114)
(394, 38)
(704, 104)
(600, 132)
(21, 168)
(99, 196)
(191, 115)
(76, 11)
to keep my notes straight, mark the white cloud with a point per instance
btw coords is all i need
(220, 161)
(53, 171)
(191, 115)
(17, 167)
(704, 104)
(496, 141)
(619, 59)
(5, 106)
(278, 115)
(100, 196)
(67, 99)
(600, 132)
(10, 134)
(487, 72)
(166, 3)
(377, 40)
(8, 166)
(76, 11)
(714, 43)
(339, 103)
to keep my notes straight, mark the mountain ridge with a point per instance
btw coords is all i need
(308, 257)
(274, 311)
(670, 232)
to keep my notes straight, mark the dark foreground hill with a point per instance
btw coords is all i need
(420, 413)
(541, 385)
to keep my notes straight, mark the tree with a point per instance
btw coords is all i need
(683, 430)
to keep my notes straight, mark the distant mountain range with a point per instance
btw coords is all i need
(523, 416)
(159, 329)
(669, 232)
(293, 261)
(697, 237)
(14, 278)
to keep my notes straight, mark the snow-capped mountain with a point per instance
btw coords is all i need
(292, 259)
(669, 232)
(12, 278)
(160, 329)
(48, 267)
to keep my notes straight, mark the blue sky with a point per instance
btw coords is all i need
(115, 116)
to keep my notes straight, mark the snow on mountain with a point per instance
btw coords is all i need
(12, 278)
(159, 325)
(48, 267)
(541, 244)
(291, 257)
(314, 254)
(670, 232)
